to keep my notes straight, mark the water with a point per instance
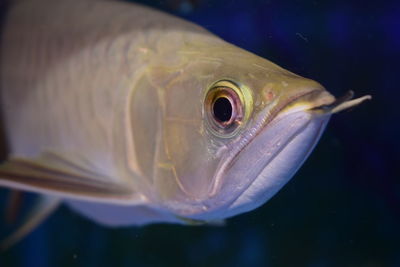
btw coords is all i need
(343, 206)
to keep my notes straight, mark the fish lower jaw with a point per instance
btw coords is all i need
(280, 170)
(263, 168)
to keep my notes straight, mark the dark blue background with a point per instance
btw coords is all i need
(343, 206)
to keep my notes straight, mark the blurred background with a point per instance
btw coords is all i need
(343, 206)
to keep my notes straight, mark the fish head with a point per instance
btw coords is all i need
(236, 128)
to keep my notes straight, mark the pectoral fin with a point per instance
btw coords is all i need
(56, 175)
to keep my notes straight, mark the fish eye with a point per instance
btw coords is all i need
(224, 108)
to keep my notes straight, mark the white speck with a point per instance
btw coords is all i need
(143, 50)
(302, 37)
(186, 7)
(285, 84)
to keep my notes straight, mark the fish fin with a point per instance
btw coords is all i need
(191, 222)
(43, 209)
(196, 222)
(13, 206)
(57, 175)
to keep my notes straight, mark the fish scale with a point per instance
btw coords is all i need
(60, 89)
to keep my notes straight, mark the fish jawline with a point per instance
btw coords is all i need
(263, 186)
(265, 120)
(255, 158)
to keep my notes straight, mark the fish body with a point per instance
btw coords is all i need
(133, 116)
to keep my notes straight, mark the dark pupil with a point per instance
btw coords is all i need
(222, 109)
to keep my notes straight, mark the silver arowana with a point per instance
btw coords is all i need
(132, 116)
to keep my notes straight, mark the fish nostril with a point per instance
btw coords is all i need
(267, 92)
(268, 96)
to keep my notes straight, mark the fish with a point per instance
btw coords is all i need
(132, 116)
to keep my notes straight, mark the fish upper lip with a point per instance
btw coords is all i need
(275, 110)
(274, 114)
(228, 162)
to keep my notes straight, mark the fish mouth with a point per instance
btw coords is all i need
(227, 183)
(267, 142)
(304, 126)
(255, 166)
(280, 168)
(297, 111)
(312, 99)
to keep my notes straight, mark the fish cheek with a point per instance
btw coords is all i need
(190, 161)
(185, 158)
(183, 163)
